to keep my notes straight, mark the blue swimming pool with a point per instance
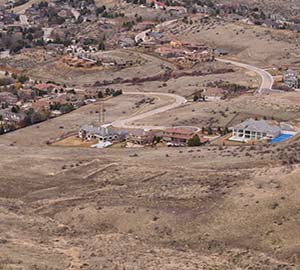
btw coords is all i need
(281, 138)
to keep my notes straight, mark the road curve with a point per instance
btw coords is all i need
(267, 80)
(126, 123)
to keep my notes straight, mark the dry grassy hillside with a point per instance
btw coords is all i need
(64, 208)
(247, 43)
(21, 9)
(291, 7)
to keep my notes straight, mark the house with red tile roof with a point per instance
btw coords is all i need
(160, 5)
(180, 136)
(170, 52)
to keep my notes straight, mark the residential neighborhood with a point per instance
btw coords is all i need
(25, 102)
(149, 135)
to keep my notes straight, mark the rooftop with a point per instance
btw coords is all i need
(101, 131)
(258, 126)
(179, 131)
(140, 132)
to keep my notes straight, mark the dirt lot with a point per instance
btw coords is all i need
(277, 6)
(74, 141)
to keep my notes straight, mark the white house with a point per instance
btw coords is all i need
(254, 130)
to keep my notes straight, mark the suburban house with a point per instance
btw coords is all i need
(12, 118)
(291, 79)
(140, 136)
(221, 52)
(180, 136)
(26, 93)
(202, 9)
(204, 56)
(176, 10)
(213, 94)
(48, 88)
(186, 51)
(91, 132)
(8, 98)
(153, 35)
(159, 5)
(126, 42)
(70, 99)
(150, 45)
(255, 130)
(170, 52)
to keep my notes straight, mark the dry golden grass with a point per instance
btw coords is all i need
(74, 141)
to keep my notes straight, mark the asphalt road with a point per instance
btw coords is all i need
(267, 80)
(128, 122)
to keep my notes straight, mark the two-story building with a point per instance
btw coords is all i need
(140, 136)
(102, 134)
(177, 135)
(254, 130)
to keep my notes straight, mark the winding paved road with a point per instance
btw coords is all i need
(126, 123)
(266, 83)
(267, 80)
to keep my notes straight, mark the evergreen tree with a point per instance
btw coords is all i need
(195, 141)
(101, 46)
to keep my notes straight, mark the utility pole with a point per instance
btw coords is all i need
(101, 113)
